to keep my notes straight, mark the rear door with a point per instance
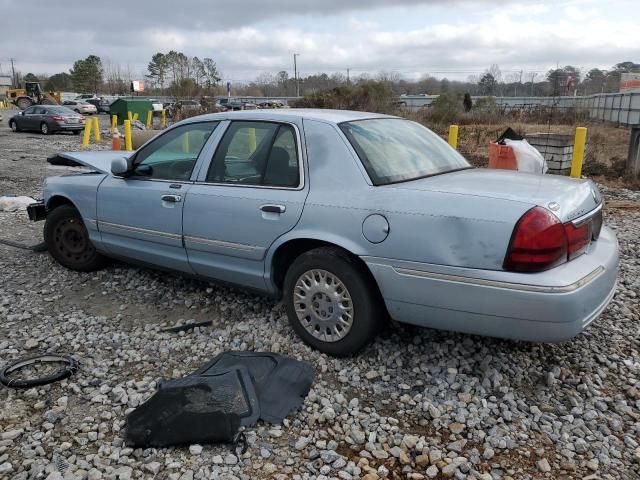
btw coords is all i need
(39, 116)
(252, 192)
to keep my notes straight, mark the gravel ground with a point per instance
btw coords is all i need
(416, 404)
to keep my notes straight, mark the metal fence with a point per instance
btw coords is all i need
(622, 108)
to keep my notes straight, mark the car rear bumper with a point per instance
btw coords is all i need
(548, 306)
(70, 126)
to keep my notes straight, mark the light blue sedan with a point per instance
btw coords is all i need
(353, 218)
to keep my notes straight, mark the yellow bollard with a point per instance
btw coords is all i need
(149, 122)
(252, 140)
(96, 129)
(127, 136)
(87, 133)
(135, 117)
(453, 136)
(114, 123)
(185, 143)
(578, 152)
(129, 116)
(164, 118)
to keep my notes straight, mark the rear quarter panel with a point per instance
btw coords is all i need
(428, 227)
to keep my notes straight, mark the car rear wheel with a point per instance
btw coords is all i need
(76, 132)
(331, 302)
(68, 240)
(14, 126)
(44, 128)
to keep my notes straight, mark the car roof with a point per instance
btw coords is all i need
(326, 115)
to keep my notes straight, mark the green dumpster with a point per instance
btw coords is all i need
(139, 105)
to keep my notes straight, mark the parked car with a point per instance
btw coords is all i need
(80, 106)
(102, 105)
(47, 119)
(272, 104)
(183, 107)
(86, 96)
(232, 106)
(351, 218)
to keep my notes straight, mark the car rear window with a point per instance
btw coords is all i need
(396, 150)
(60, 110)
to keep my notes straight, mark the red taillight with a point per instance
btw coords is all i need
(538, 242)
(59, 118)
(578, 238)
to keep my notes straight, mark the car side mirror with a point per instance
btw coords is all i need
(119, 166)
(22, 112)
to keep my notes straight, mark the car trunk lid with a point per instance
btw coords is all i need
(569, 199)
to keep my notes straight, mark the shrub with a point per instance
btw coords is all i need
(446, 108)
(371, 96)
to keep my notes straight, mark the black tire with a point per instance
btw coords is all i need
(76, 132)
(44, 128)
(14, 126)
(367, 312)
(68, 240)
(24, 103)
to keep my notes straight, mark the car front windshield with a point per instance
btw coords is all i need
(396, 150)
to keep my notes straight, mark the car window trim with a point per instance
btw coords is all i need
(301, 160)
(182, 182)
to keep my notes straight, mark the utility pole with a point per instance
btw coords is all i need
(348, 81)
(533, 75)
(519, 83)
(13, 75)
(295, 73)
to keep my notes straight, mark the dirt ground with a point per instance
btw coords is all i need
(416, 404)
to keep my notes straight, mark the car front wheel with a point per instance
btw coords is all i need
(331, 303)
(68, 241)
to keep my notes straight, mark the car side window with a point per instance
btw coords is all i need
(29, 111)
(256, 153)
(173, 154)
(282, 166)
(39, 111)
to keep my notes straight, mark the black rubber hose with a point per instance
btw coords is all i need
(39, 247)
(69, 367)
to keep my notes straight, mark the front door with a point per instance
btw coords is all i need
(140, 216)
(29, 119)
(252, 192)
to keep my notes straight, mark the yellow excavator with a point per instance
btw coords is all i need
(32, 94)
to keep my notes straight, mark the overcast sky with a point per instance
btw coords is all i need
(452, 38)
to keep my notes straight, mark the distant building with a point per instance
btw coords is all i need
(5, 84)
(630, 82)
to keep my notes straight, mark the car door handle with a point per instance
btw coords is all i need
(273, 208)
(171, 198)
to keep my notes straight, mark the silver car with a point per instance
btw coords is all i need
(352, 218)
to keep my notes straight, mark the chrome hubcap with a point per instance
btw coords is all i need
(323, 305)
